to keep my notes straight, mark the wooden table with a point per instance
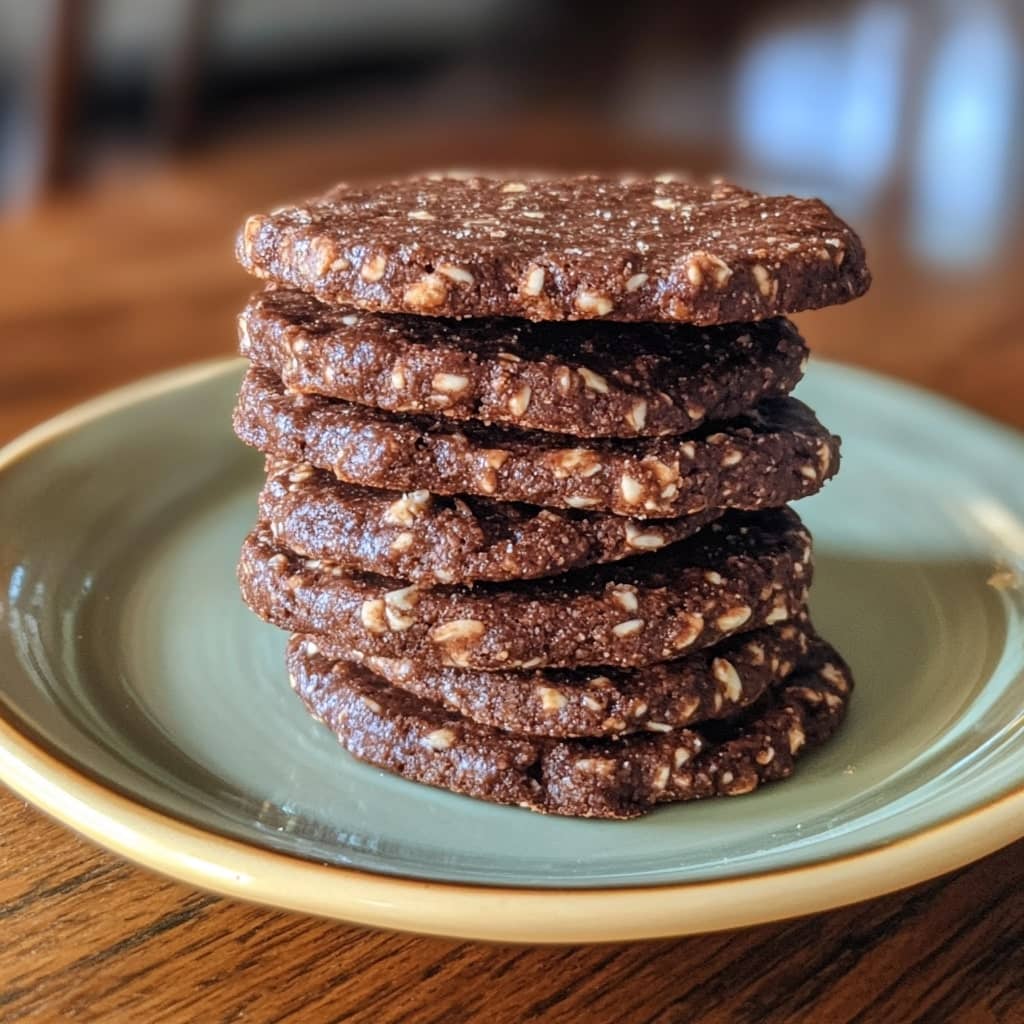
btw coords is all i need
(137, 276)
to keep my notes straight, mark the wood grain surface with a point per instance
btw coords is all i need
(137, 276)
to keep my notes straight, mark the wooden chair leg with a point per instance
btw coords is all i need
(54, 137)
(179, 90)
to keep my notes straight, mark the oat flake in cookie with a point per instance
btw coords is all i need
(424, 742)
(428, 538)
(707, 685)
(777, 453)
(594, 379)
(742, 571)
(636, 249)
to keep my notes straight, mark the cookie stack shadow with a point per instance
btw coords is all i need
(529, 451)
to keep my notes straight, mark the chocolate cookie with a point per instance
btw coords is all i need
(423, 742)
(561, 249)
(426, 538)
(777, 453)
(742, 571)
(591, 379)
(710, 684)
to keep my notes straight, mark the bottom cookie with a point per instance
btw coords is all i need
(592, 778)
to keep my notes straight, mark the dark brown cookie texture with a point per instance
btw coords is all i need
(426, 538)
(636, 249)
(741, 572)
(775, 454)
(594, 778)
(706, 685)
(594, 379)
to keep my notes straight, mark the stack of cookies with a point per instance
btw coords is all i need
(529, 449)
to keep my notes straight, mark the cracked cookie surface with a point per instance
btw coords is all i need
(593, 379)
(710, 684)
(775, 454)
(428, 538)
(631, 249)
(742, 571)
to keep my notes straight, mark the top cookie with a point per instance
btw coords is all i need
(631, 249)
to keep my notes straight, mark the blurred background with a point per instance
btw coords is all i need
(136, 134)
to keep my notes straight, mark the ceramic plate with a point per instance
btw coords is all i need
(145, 706)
